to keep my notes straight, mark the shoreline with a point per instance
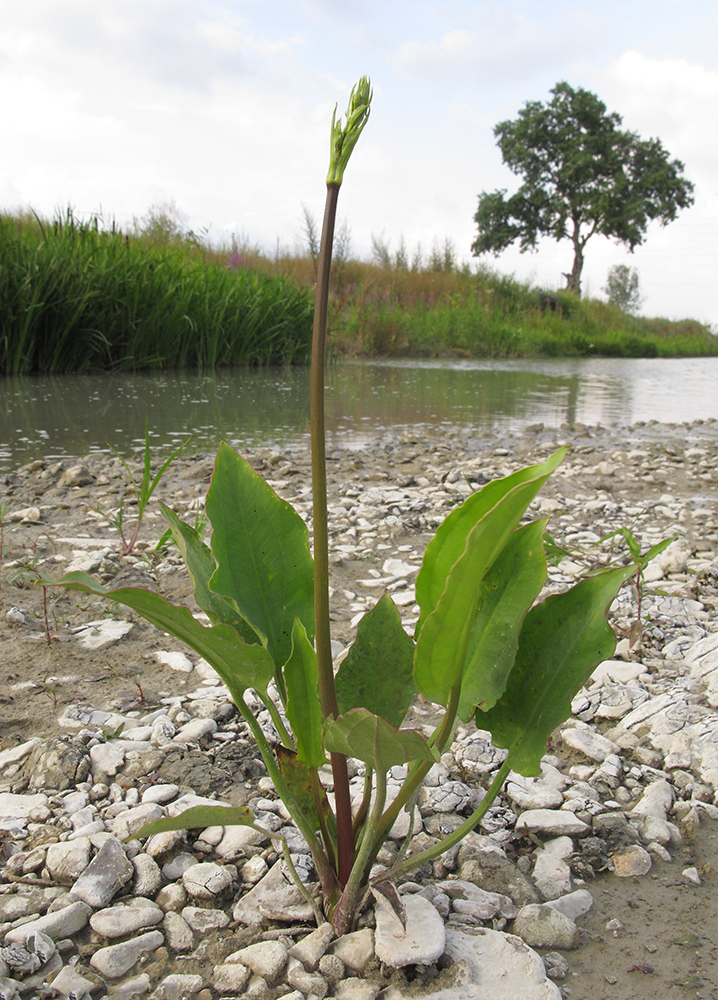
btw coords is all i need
(656, 706)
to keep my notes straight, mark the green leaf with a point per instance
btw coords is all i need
(201, 565)
(303, 785)
(377, 672)
(304, 707)
(500, 505)
(562, 641)
(261, 546)
(200, 817)
(373, 740)
(507, 592)
(239, 664)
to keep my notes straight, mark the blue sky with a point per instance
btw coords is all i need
(224, 109)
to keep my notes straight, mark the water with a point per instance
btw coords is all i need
(70, 415)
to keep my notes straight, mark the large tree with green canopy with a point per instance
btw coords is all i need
(582, 175)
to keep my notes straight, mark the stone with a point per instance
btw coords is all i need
(105, 875)
(272, 898)
(356, 949)
(588, 742)
(230, 978)
(128, 824)
(161, 794)
(554, 822)
(310, 949)
(552, 875)
(356, 989)
(174, 660)
(119, 920)
(493, 872)
(179, 987)
(306, 982)
(19, 806)
(58, 763)
(117, 959)
(69, 983)
(573, 905)
(266, 959)
(631, 861)
(147, 880)
(494, 965)
(421, 939)
(542, 926)
(202, 921)
(207, 881)
(67, 860)
(59, 924)
(178, 932)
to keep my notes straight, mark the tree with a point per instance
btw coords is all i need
(581, 175)
(622, 288)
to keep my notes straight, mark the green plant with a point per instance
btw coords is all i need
(480, 648)
(142, 492)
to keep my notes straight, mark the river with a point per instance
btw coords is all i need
(61, 416)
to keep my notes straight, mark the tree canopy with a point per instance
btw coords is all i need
(582, 175)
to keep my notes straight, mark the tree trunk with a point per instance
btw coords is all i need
(573, 280)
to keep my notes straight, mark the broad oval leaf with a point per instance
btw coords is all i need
(201, 565)
(377, 672)
(562, 641)
(366, 737)
(261, 546)
(507, 592)
(500, 506)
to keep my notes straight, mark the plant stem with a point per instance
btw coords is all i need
(345, 847)
(453, 838)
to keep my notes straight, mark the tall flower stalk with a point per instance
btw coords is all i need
(343, 139)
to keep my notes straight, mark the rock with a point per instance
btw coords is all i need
(356, 989)
(574, 905)
(128, 824)
(202, 921)
(542, 926)
(107, 758)
(95, 635)
(57, 764)
(310, 949)
(552, 875)
(19, 806)
(553, 822)
(230, 978)
(272, 898)
(494, 872)
(119, 920)
(175, 660)
(67, 860)
(496, 966)
(419, 942)
(178, 932)
(69, 983)
(179, 987)
(356, 949)
(588, 742)
(25, 959)
(631, 861)
(147, 879)
(207, 881)
(117, 959)
(57, 925)
(105, 875)
(266, 959)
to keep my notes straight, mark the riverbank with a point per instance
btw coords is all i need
(81, 297)
(635, 769)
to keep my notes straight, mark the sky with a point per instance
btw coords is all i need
(223, 110)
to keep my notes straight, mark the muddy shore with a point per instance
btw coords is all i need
(657, 480)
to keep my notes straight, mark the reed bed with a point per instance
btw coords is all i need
(74, 297)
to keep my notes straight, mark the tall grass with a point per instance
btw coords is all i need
(75, 298)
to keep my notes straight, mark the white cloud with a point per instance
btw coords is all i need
(500, 44)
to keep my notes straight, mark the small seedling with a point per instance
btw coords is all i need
(142, 491)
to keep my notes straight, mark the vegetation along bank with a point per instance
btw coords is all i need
(77, 297)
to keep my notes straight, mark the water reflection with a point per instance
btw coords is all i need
(71, 415)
